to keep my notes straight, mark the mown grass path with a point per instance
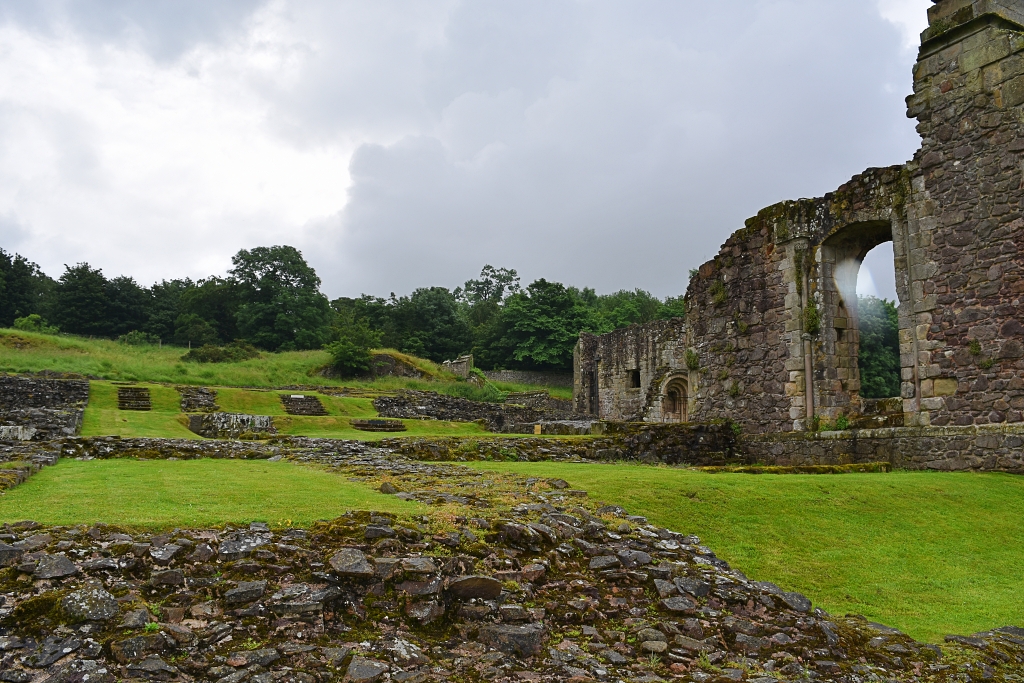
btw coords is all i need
(197, 493)
(929, 553)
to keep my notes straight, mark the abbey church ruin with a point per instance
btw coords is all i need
(770, 340)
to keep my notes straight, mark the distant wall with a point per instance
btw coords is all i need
(540, 379)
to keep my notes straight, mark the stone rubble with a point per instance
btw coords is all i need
(507, 579)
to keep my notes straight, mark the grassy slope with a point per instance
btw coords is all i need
(31, 352)
(929, 553)
(162, 494)
(102, 418)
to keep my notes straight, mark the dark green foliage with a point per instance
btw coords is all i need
(80, 301)
(282, 308)
(544, 322)
(191, 329)
(879, 358)
(127, 306)
(216, 301)
(137, 338)
(350, 352)
(23, 288)
(232, 353)
(165, 307)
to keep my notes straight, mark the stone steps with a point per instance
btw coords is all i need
(133, 398)
(376, 425)
(300, 404)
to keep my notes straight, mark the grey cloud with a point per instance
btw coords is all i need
(164, 28)
(599, 143)
(638, 157)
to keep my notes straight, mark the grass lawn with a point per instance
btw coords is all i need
(929, 553)
(162, 494)
(102, 417)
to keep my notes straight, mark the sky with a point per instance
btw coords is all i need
(612, 145)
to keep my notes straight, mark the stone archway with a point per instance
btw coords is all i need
(837, 376)
(673, 400)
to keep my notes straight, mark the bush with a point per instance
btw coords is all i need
(136, 338)
(350, 353)
(34, 323)
(232, 353)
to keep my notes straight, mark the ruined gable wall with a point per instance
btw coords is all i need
(656, 349)
(968, 92)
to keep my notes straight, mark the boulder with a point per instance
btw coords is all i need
(352, 562)
(363, 670)
(245, 591)
(54, 567)
(89, 604)
(521, 641)
(467, 587)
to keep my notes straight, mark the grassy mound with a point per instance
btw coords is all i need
(162, 494)
(929, 553)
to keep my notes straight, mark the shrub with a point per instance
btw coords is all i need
(717, 291)
(232, 353)
(350, 352)
(812, 319)
(974, 347)
(34, 323)
(692, 360)
(136, 338)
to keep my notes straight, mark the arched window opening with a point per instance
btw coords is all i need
(878, 356)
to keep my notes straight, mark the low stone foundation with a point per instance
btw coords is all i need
(230, 425)
(39, 409)
(979, 448)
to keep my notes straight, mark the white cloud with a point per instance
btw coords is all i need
(911, 16)
(401, 145)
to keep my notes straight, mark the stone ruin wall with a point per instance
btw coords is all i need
(36, 409)
(954, 216)
(603, 367)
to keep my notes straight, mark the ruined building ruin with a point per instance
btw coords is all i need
(770, 338)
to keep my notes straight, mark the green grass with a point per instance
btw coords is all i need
(929, 553)
(162, 494)
(32, 352)
(103, 418)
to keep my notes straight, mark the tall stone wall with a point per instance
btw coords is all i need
(969, 319)
(772, 320)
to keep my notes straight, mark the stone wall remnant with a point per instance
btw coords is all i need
(231, 425)
(460, 367)
(37, 409)
(771, 338)
(198, 399)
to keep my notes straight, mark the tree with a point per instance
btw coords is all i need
(350, 351)
(165, 307)
(127, 306)
(879, 357)
(215, 300)
(191, 330)
(428, 323)
(80, 301)
(281, 304)
(23, 288)
(543, 323)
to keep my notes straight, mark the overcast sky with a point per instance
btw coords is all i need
(405, 144)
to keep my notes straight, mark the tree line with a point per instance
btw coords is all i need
(271, 299)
